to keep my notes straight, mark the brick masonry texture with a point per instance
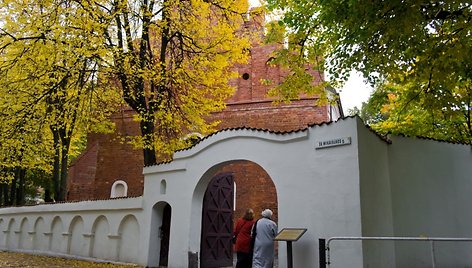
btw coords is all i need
(107, 160)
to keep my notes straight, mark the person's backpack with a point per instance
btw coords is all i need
(253, 236)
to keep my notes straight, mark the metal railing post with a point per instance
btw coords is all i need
(322, 252)
(433, 254)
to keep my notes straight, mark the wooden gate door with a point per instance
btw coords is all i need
(216, 248)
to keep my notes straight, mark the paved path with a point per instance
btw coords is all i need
(17, 260)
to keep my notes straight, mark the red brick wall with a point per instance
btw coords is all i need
(118, 160)
(82, 174)
(94, 173)
(266, 115)
(254, 188)
(111, 159)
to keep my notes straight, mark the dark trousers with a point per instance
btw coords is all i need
(244, 260)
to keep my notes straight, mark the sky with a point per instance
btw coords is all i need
(353, 93)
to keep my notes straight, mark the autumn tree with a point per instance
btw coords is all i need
(20, 152)
(48, 80)
(172, 60)
(63, 61)
(443, 116)
(420, 48)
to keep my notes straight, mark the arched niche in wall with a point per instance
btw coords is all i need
(9, 239)
(119, 189)
(24, 242)
(129, 231)
(77, 243)
(101, 245)
(57, 240)
(163, 187)
(40, 241)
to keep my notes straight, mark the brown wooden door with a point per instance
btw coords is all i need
(216, 249)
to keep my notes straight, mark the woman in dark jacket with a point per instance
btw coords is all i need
(242, 232)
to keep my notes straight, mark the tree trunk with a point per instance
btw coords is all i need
(3, 194)
(64, 166)
(147, 131)
(20, 189)
(47, 194)
(56, 165)
(12, 198)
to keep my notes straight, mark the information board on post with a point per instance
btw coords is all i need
(290, 234)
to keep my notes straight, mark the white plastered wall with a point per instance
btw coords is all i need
(314, 188)
(431, 191)
(376, 205)
(87, 230)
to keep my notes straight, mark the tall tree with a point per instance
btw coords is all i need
(424, 47)
(172, 60)
(63, 60)
(48, 77)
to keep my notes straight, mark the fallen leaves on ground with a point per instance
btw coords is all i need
(13, 259)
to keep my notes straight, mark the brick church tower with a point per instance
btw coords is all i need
(108, 168)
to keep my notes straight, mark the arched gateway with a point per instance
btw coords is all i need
(298, 185)
(217, 222)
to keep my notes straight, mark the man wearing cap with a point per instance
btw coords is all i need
(264, 231)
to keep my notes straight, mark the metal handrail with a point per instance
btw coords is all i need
(392, 238)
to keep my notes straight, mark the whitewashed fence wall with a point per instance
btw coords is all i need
(105, 230)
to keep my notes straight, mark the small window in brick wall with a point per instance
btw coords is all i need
(119, 189)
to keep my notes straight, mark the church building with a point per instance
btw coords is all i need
(110, 169)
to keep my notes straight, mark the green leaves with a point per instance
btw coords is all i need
(423, 48)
